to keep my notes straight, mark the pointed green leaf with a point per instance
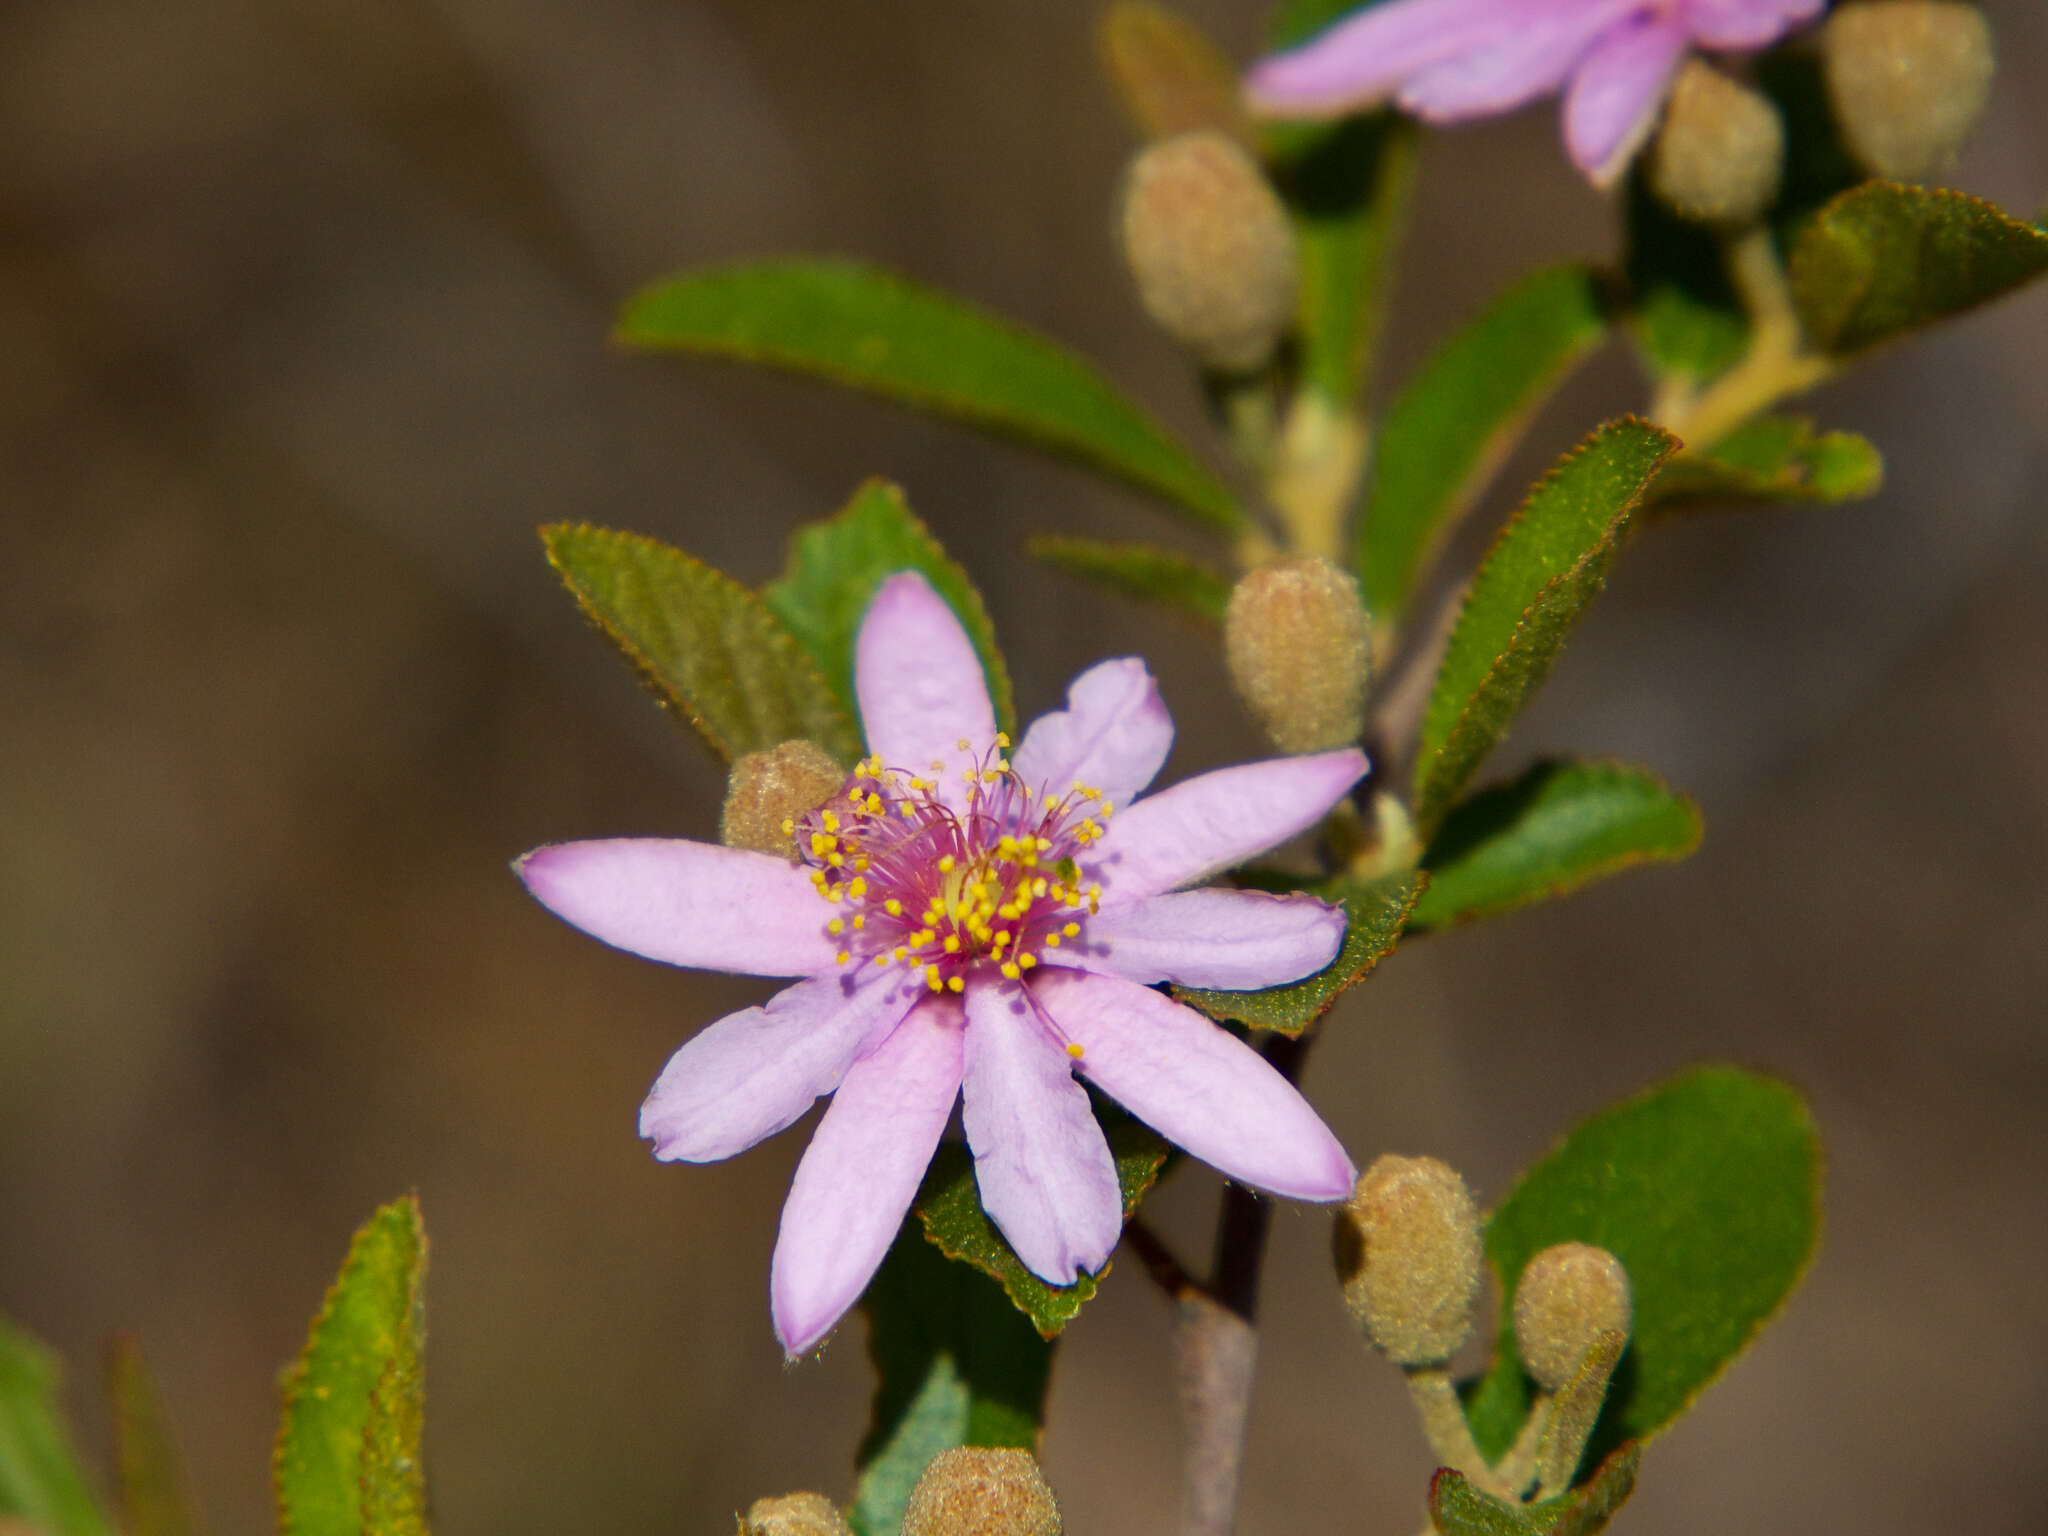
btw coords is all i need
(1563, 824)
(1143, 571)
(1544, 568)
(870, 330)
(1447, 432)
(326, 1484)
(1881, 260)
(710, 649)
(153, 1497)
(394, 1476)
(835, 567)
(1773, 458)
(954, 1365)
(1171, 75)
(1459, 1509)
(1376, 912)
(950, 1207)
(1707, 1188)
(41, 1481)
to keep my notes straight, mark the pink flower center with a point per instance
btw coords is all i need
(920, 884)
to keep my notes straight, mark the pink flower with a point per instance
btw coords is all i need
(970, 924)
(1447, 60)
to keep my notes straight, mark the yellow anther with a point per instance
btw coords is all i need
(836, 860)
(831, 820)
(883, 959)
(946, 863)
(836, 927)
(860, 921)
(1038, 886)
(893, 907)
(841, 958)
(962, 744)
(1074, 1050)
(1010, 971)
(934, 983)
(957, 983)
(1072, 930)
(1003, 740)
(856, 886)
(788, 827)
(902, 952)
(1002, 937)
(1052, 941)
(1108, 810)
(952, 943)
(1027, 959)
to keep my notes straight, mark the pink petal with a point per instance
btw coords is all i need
(1196, 1084)
(861, 1172)
(1208, 938)
(1045, 1173)
(1745, 24)
(754, 1072)
(1363, 59)
(1211, 822)
(719, 909)
(1113, 735)
(1616, 94)
(921, 687)
(1522, 62)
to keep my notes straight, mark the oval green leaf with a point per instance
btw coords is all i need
(1707, 1188)
(1561, 825)
(41, 1480)
(711, 650)
(1547, 564)
(1770, 459)
(873, 331)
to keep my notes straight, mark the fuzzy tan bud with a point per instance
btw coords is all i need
(1907, 79)
(1211, 248)
(1567, 1298)
(1295, 639)
(1720, 152)
(1408, 1250)
(794, 1514)
(768, 790)
(975, 1490)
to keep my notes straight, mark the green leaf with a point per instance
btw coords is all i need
(1349, 187)
(1376, 912)
(835, 567)
(1544, 568)
(41, 1481)
(153, 1497)
(709, 648)
(1143, 571)
(1773, 458)
(950, 1207)
(1881, 260)
(394, 1476)
(1458, 1509)
(873, 331)
(1296, 21)
(1447, 432)
(1563, 824)
(1707, 1188)
(1171, 75)
(1684, 314)
(954, 1365)
(329, 1478)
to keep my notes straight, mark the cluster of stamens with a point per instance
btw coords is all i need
(922, 885)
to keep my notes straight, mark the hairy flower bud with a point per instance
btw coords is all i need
(768, 792)
(1907, 78)
(1720, 153)
(1567, 1298)
(794, 1514)
(1295, 639)
(975, 1490)
(1211, 248)
(1408, 1251)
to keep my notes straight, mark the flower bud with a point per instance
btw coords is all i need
(975, 1490)
(1211, 249)
(1907, 78)
(794, 1514)
(1408, 1253)
(1720, 153)
(769, 790)
(1295, 639)
(1567, 1298)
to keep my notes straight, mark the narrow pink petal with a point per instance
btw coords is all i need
(1113, 735)
(1365, 58)
(754, 1072)
(1208, 938)
(719, 909)
(920, 686)
(1209, 823)
(1196, 1084)
(1745, 24)
(1045, 1173)
(1522, 62)
(1616, 94)
(861, 1171)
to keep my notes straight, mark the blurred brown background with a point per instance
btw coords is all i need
(303, 308)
